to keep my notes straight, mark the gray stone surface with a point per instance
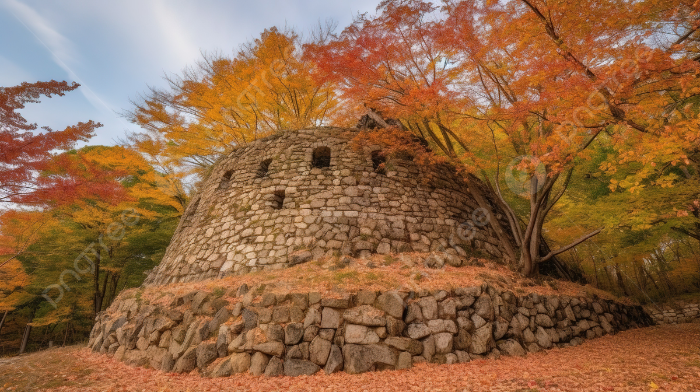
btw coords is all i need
(298, 367)
(267, 216)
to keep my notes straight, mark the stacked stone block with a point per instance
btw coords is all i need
(265, 206)
(303, 333)
(677, 313)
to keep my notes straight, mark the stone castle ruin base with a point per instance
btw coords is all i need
(302, 333)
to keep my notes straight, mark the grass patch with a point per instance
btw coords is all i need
(344, 276)
(218, 292)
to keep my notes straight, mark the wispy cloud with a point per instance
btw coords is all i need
(61, 49)
(174, 32)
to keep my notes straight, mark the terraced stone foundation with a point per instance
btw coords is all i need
(245, 330)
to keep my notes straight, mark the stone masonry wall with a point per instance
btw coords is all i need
(675, 313)
(302, 333)
(266, 207)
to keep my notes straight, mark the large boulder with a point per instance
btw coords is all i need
(362, 358)
(392, 303)
(335, 360)
(511, 347)
(187, 361)
(274, 368)
(240, 363)
(365, 315)
(482, 340)
(298, 367)
(359, 334)
(206, 353)
(319, 350)
(258, 363)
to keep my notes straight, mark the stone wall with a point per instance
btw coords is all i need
(265, 206)
(301, 333)
(674, 313)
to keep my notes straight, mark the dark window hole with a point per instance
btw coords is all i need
(278, 200)
(321, 157)
(379, 162)
(226, 179)
(264, 168)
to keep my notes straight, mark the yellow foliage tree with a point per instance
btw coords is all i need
(224, 102)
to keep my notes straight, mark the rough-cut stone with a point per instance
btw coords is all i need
(240, 363)
(274, 368)
(334, 362)
(428, 307)
(544, 320)
(391, 303)
(313, 317)
(482, 340)
(443, 343)
(359, 334)
(222, 369)
(413, 313)
(404, 361)
(293, 333)
(340, 303)
(543, 339)
(298, 367)
(418, 331)
(187, 362)
(206, 353)
(365, 315)
(362, 358)
(511, 347)
(258, 363)
(330, 318)
(319, 349)
(405, 344)
(270, 348)
(483, 307)
(366, 297)
(428, 348)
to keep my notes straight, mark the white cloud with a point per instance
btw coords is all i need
(174, 32)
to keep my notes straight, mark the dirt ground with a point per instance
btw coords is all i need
(665, 358)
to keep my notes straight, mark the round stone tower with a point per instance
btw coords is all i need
(298, 196)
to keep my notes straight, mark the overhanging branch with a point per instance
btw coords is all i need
(573, 244)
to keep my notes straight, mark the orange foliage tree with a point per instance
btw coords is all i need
(532, 83)
(224, 102)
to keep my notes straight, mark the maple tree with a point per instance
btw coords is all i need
(26, 149)
(531, 83)
(224, 102)
(76, 257)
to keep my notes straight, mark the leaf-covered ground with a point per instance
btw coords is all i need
(663, 358)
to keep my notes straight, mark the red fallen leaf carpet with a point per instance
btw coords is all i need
(665, 358)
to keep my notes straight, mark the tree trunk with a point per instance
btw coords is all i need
(27, 332)
(98, 297)
(65, 334)
(620, 280)
(4, 317)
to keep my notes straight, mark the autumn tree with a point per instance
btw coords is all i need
(81, 254)
(228, 101)
(527, 87)
(26, 149)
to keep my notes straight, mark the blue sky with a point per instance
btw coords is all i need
(115, 49)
